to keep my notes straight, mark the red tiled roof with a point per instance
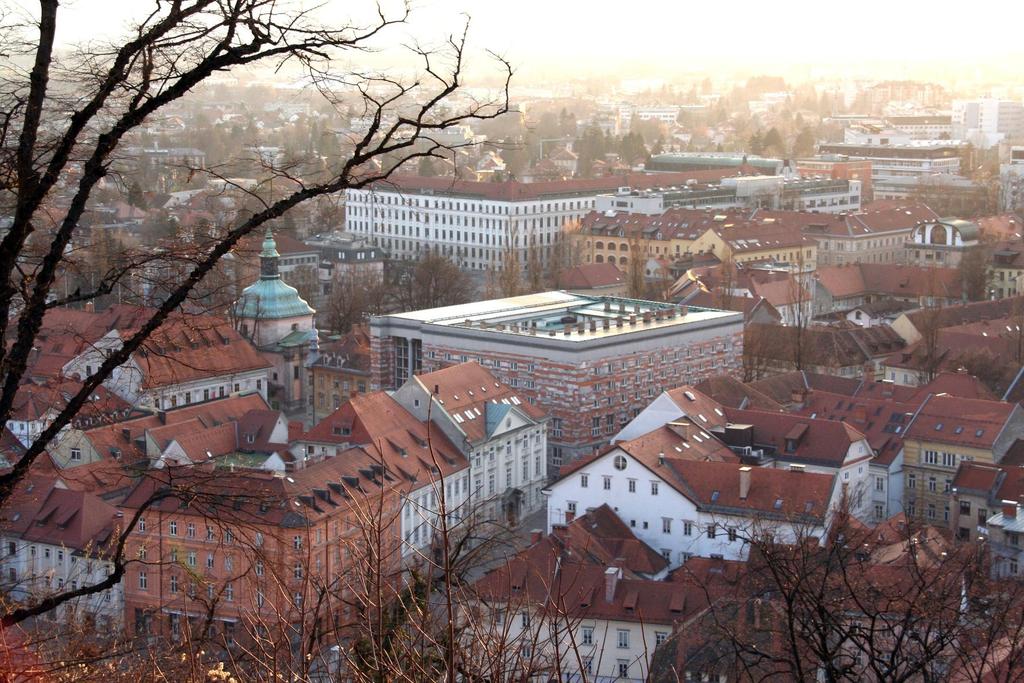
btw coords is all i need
(468, 386)
(962, 421)
(590, 276)
(814, 440)
(383, 427)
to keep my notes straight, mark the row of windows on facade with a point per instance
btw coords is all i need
(711, 530)
(451, 205)
(932, 484)
(227, 591)
(218, 392)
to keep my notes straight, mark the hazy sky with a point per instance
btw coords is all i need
(657, 37)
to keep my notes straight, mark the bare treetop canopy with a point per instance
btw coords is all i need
(65, 120)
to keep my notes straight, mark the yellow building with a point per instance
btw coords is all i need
(945, 432)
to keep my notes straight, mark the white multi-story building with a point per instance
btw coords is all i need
(909, 159)
(55, 540)
(503, 437)
(1011, 180)
(183, 362)
(684, 507)
(986, 122)
(476, 224)
(923, 126)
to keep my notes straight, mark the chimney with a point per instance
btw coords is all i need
(1009, 509)
(744, 482)
(798, 395)
(90, 307)
(611, 580)
(536, 535)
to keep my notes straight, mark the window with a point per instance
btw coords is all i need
(619, 462)
(76, 454)
(229, 593)
(588, 635)
(191, 558)
(660, 637)
(297, 542)
(623, 665)
(879, 511)
(932, 484)
(965, 507)
(524, 619)
(297, 570)
(654, 488)
(632, 485)
(259, 567)
(141, 525)
(879, 483)
(190, 530)
(209, 560)
(174, 583)
(666, 525)
(584, 480)
(911, 480)
(143, 581)
(607, 483)
(623, 638)
(732, 534)
(209, 533)
(687, 528)
(172, 528)
(711, 530)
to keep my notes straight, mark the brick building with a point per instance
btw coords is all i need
(592, 363)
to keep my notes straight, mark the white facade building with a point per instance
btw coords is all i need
(503, 437)
(1011, 181)
(686, 508)
(476, 224)
(986, 122)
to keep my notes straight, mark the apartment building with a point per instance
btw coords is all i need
(413, 452)
(945, 432)
(503, 437)
(591, 363)
(253, 567)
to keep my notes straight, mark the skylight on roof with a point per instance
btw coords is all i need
(718, 411)
(959, 429)
(778, 504)
(458, 418)
(689, 395)
(938, 427)
(979, 432)
(714, 496)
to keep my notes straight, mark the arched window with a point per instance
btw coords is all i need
(599, 245)
(599, 259)
(611, 259)
(623, 247)
(611, 246)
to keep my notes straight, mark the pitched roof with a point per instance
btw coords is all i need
(591, 276)
(966, 422)
(472, 392)
(416, 451)
(729, 391)
(798, 437)
(184, 350)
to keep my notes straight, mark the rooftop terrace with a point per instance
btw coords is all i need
(567, 317)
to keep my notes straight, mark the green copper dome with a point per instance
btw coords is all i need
(270, 298)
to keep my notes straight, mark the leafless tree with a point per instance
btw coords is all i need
(63, 122)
